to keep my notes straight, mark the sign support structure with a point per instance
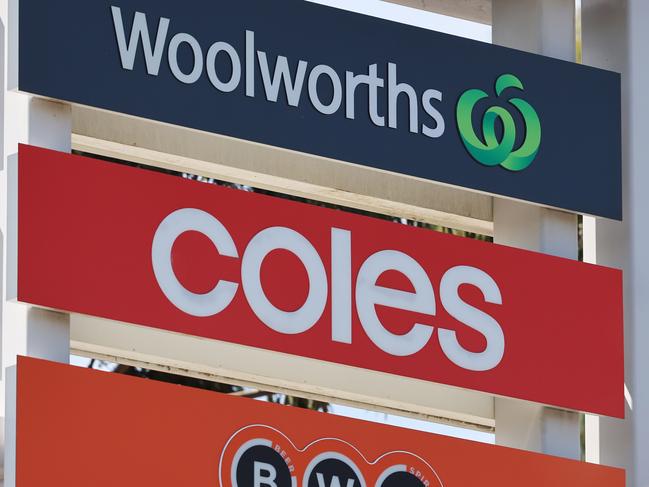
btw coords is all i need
(545, 28)
(615, 36)
(25, 330)
(541, 26)
(231, 441)
(73, 197)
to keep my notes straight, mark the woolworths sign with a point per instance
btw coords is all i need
(322, 81)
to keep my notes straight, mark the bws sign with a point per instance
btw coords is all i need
(169, 435)
(261, 455)
(341, 85)
(244, 268)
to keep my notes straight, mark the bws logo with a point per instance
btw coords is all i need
(261, 456)
(494, 150)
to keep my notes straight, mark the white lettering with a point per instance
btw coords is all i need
(440, 126)
(250, 63)
(197, 70)
(335, 481)
(268, 479)
(373, 83)
(472, 317)
(282, 73)
(235, 62)
(341, 285)
(352, 82)
(287, 322)
(368, 295)
(174, 225)
(140, 30)
(336, 99)
(394, 90)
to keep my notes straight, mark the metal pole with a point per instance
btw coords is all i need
(616, 36)
(25, 330)
(546, 27)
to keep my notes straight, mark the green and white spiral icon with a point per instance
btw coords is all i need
(492, 150)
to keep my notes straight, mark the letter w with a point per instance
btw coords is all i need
(282, 73)
(140, 29)
(335, 481)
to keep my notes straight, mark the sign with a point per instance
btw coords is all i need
(143, 247)
(151, 433)
(341, 85)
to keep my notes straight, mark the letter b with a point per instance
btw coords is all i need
(265, 475)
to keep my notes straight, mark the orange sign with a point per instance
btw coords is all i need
(77, 427)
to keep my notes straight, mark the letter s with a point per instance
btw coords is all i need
(472, 317)
(440, 125)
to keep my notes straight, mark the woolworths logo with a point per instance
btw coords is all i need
(390, 102)
(492, 150)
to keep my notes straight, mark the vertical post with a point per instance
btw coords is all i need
(25, 330)
(616, 36)
(546, 27)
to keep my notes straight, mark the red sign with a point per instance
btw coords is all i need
(78, 427)
(158, 250)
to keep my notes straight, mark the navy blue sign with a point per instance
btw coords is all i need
(323, 81)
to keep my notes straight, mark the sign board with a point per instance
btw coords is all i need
(345, 86)
(158, 250)
(151, 433)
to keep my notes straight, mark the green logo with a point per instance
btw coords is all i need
(491, 151)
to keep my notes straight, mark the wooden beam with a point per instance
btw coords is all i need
(229, 363)
(279, 170)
